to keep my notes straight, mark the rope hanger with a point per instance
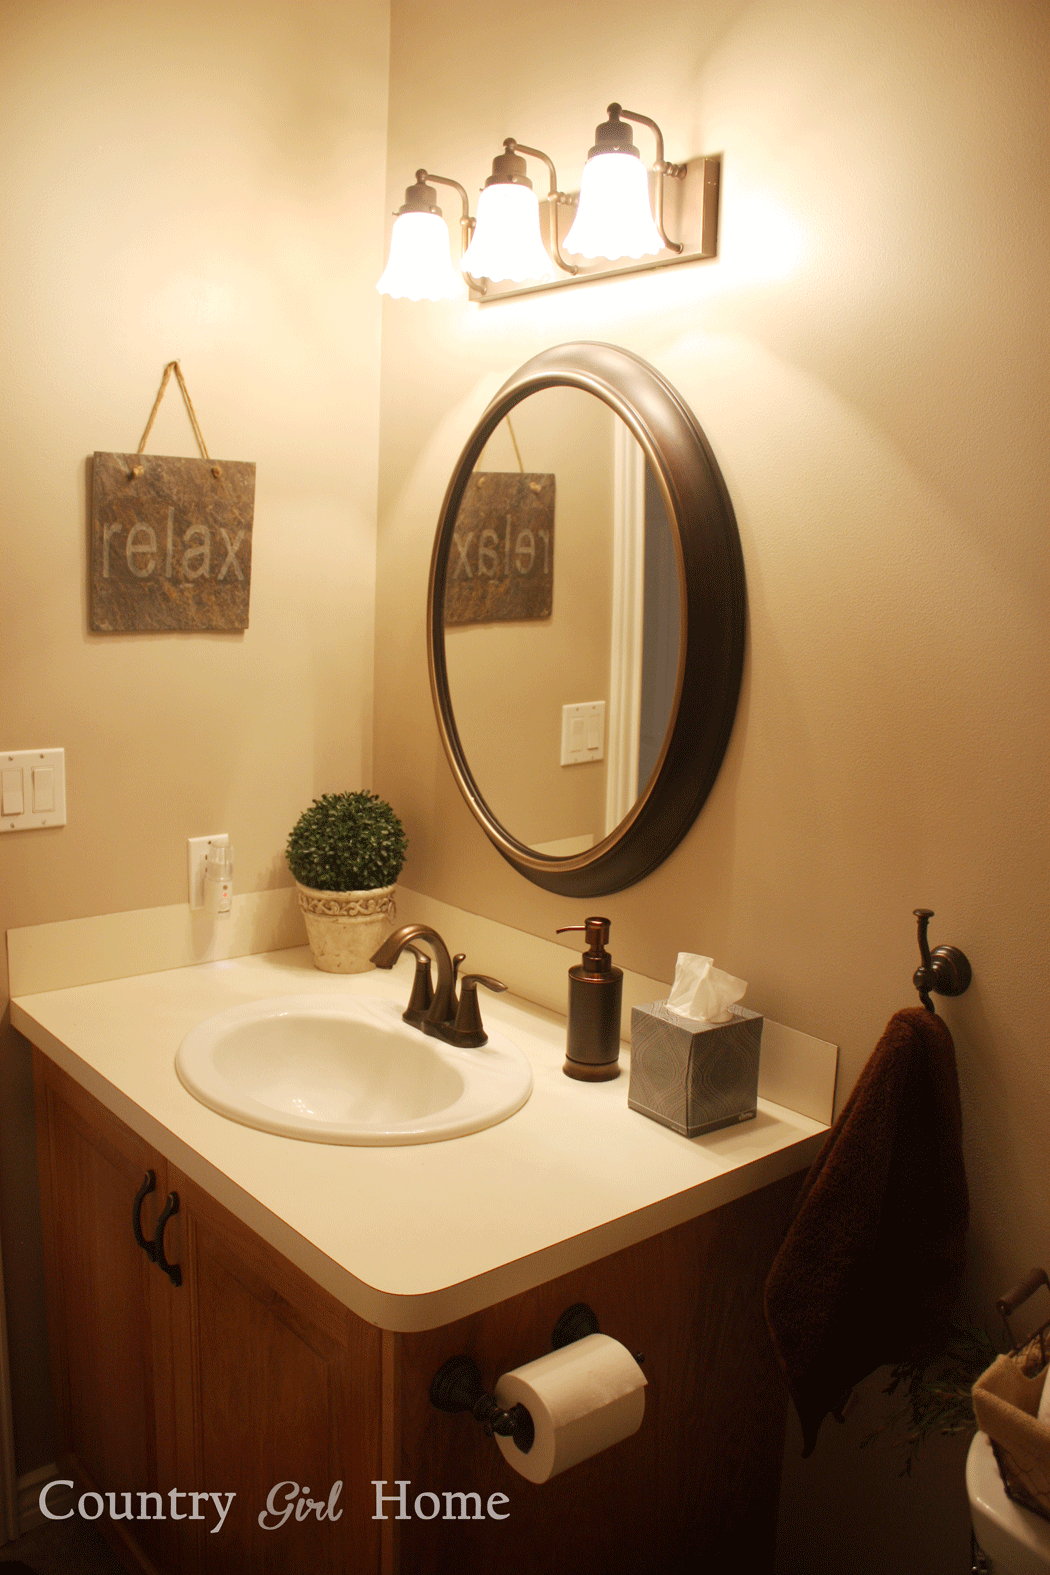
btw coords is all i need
(173, 366)
(534, 486)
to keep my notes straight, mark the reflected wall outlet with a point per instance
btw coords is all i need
(32, 789)
(197, 850)
(582, 732)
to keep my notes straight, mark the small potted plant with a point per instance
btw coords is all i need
(345, 852)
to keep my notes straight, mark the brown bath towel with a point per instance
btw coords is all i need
(871, 1265)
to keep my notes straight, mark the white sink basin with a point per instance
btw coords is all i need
(346, 1069)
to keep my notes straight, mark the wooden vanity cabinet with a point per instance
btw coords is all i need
(107, 1316)
(696, 1487)
(248, 1375)
(244, 1376)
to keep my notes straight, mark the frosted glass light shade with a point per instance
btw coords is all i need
(506, 243)
(614, 217)
(420, 263)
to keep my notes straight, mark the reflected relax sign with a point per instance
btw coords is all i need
(501, 566)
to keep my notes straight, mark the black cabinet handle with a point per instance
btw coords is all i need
(149, 1182)
(172, 1270)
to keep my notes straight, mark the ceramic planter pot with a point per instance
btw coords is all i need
(344, 928)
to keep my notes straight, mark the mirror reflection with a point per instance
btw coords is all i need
(561, 622)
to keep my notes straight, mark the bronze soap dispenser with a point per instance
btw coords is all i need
(595, 994)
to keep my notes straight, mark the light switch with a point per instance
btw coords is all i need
(13, 794)
(43, 789)
(34, 789)
(582, 732)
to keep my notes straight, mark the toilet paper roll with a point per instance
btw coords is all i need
(583, 1398)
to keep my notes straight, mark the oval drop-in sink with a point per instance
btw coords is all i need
(348, 1070)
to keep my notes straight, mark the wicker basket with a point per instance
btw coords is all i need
(1006, 1403)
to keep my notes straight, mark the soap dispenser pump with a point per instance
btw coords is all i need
(595, 994)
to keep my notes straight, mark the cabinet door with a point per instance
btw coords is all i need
(100, 1298)
(277, 1392)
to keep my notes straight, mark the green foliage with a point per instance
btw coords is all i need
(937, 1395)
(347, 842)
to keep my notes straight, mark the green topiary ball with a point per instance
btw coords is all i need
(347, 842)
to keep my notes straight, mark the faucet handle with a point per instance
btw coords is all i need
(472, 980)
(453, 1000)
(468, 1031)
(422, 989)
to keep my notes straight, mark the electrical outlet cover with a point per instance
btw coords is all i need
(197, 852)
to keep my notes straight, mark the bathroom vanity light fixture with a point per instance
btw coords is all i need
(420, 262)
(507, 244)
(614, 217)
(625, 219)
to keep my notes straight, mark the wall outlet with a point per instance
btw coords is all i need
(197, 851)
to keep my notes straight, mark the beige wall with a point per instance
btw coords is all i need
(509, 681)
(868, 359)
(202, 181)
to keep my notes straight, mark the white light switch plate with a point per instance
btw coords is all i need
(197, 851)
(582, 732)
(34, 789)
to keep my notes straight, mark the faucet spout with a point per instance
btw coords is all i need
(443, 1008)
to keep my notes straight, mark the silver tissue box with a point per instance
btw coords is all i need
(694, 1077)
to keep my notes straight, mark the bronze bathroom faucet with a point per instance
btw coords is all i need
(439, 1013)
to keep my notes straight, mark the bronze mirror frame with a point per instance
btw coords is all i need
(712, 609)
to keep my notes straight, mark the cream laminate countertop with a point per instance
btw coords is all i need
(409, 1237)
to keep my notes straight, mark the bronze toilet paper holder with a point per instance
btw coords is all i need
(458, 1386)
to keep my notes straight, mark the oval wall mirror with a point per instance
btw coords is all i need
(586, 620)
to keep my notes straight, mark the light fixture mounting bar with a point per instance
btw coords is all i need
(692, 204)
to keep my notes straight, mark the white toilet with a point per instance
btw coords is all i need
(1012, 1539)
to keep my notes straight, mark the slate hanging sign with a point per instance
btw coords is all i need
(501, 566)
(171, 538)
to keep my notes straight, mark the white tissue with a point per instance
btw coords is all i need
(702, 991)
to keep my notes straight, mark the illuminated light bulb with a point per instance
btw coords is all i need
(506, 243)
(419, 266)
(614, 217)
(420, 263)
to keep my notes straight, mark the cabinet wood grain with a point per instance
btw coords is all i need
(283, 1386)
(704, 1468)
(249, 1379)
(100, 1307)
